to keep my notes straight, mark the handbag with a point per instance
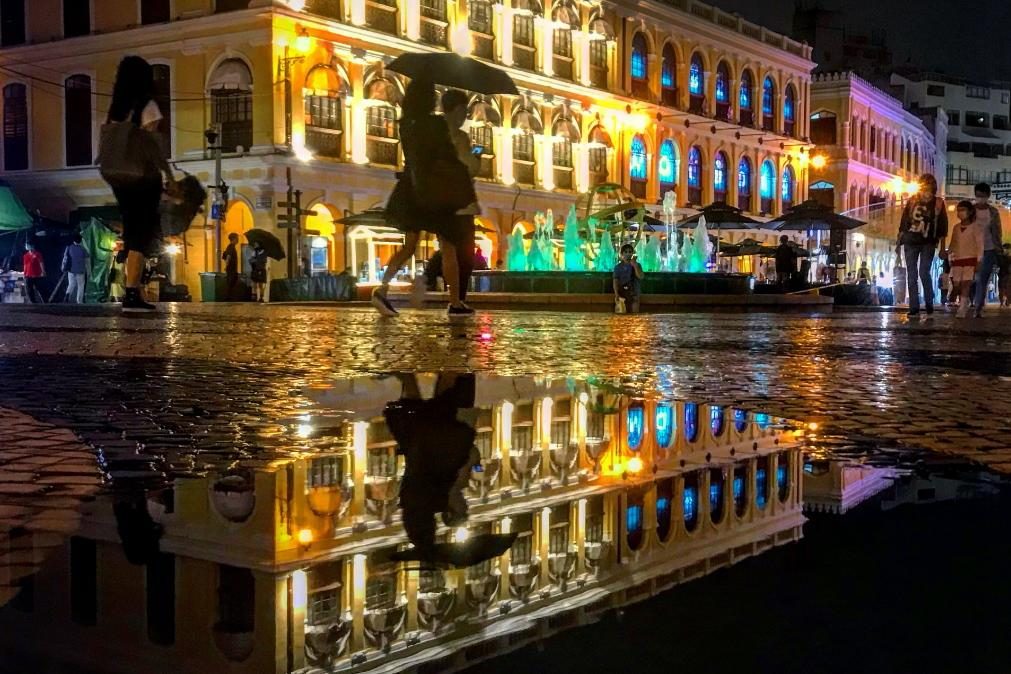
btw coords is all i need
(619, 305)
(120, 159)
(444, 186)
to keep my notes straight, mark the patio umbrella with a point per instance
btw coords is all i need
(453, 70)
(721, 216)
(812, 215)
(267, 241)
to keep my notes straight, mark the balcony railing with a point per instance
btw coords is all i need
(381, 15)
(434, 27)
(324, 142)
(562, 66)
(382, 150)
(484, 45)
(669, 97)
(524, 57)
(748, 118)
(598, 76)
(640, 89)
(487, 170)
(697, 104)
(524, 172)
(563, 177)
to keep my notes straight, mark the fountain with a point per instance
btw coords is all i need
(606, 258)
(575, 257)
(516, 258)
(541, 256)
(698, 252)
(650, 255)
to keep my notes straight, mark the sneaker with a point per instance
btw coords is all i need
(462, 310)
(930, 309)
(133, 303)
(913, 312)
(382, 303)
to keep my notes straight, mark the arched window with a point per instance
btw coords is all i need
(599, 143)
(696, 84)
(767, 186)
(783, 477)
(669, 77)
(325, 89)
(723, 91)
(823, 128)
(12, 22)
(664, 499)
(664, 423)
(746, 97)
(691, 422)
(638, 166)
(566, 18)
(15, 127)
(690, 501)
(790, 112)
(695, 175)
(382, 133)
(716, 479)
(77, 120)
(744, 184)
(527, 125)
(601, 34)
(480, 21)
(769, 104)
(524, 45)
(720, 177)
(484, 116)
(740, 487)
(787, 188)
(76, 18)
(667, 166)
(231, 88)
(564, 133)
(639, 67)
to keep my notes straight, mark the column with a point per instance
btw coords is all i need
(358, 603)
(505, 526)
(504, 29)
(542, 530)
(580, 537)
(412, 19)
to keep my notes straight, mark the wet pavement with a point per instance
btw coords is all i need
(92, 401)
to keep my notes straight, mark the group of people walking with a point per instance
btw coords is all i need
(973, 251)
(75, 267)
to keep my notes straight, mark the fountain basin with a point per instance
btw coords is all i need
(594, 282)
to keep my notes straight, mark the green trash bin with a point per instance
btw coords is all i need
(213, 287)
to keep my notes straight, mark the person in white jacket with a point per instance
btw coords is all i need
(965, 250)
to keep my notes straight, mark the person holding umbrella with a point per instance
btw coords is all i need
(266, 247)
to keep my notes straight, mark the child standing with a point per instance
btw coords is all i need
(964, 252)
(627, 279)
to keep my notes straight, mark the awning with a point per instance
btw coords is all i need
(483, 112)
(231, 74)
(382, 89)
(525, 120)
(528, 7)
(600, 137)
(566, 13)
(601, 29)
(13, 215)
(326, 78)
(567, 129)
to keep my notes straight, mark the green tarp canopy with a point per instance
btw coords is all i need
(13, 216)
(100, 242)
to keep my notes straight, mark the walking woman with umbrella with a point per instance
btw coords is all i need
(266, 247)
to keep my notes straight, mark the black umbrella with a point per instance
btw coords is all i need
(721, 216)
(477, 549)
(812, 215)
(267, 241)
(373, 217)
(453, 70)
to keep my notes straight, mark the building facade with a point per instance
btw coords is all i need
(979, 136)
(873, 151)
(656, 96)
(281, 565)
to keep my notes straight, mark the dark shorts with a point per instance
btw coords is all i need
(258, 275)
(138, 207)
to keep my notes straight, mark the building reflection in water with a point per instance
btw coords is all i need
(280, 566)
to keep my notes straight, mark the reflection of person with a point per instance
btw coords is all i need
(426, 142)
(988, 218)
(480, 261)
(138, 196)
(35, 272)
(258, 271)
(863, 274)
(1004, 275)
(923, 226)
(438, 449)
(231, 258)
(627, 279)
(75, 263)
(965, 251)
(454, 108)
(433, 271)
(786, 260)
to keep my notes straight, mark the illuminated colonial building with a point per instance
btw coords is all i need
(658, 96)
(278, 564)
(873, 151)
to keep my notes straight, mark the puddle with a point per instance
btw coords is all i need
(262, 543)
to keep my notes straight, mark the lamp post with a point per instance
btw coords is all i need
(303, 45)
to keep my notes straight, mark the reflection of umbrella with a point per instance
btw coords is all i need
(267, 241)
(453, 70)
(375, 217)
(812, 215)
(721, 216)
(474, 550)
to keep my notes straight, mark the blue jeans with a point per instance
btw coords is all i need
(983, 274)
(919, 258)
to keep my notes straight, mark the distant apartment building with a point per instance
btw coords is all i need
(979, 121)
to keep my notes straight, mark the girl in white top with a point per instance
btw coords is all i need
(965, 250)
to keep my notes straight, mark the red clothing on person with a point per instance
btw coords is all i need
(32, 261)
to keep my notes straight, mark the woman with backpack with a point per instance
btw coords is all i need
(133, 164)
(924, 226)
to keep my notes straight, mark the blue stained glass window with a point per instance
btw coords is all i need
(633, 519)
(715, 497)
(763, 420)
(720, 172)
(716, 420)
(738, 489)
(767, 181)
(761, 487)
(740, 420)
(788, 105)
(639, 57)
(696, 77)
(668, 165)
(637, 160)
(768, 94)
(691, 421)
(694, 167)
(787, 187)
(746, 91)
(668, 69)
(782, 479)
(663, 507)
(664, 423)
(636, 420)
(691, 505)
(722, 84)
(744, 176)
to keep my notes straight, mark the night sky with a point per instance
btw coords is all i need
(968, 39)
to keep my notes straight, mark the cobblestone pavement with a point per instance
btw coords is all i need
(204, 383)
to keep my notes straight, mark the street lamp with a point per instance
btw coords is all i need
(303, 45)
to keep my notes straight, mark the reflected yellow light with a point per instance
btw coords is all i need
(818, 161)
(813, 426)
(173, 249)
(461, 534)
(299, 589)
(634, 464)
(305, 537)
(636, 121)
